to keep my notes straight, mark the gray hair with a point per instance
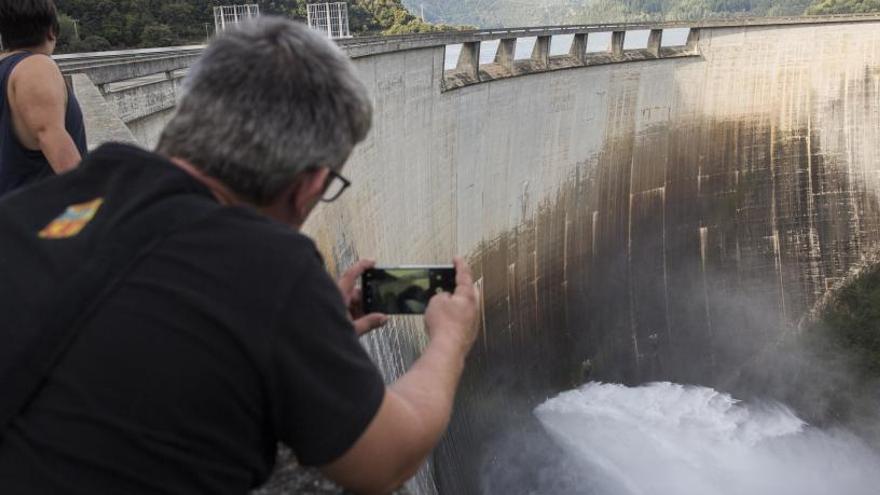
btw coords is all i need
(267, 101)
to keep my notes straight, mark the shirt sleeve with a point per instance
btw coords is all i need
(326, 388)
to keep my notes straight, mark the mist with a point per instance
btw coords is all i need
(670, 439)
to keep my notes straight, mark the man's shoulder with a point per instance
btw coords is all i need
(38, 73)
(126, 178)
(115, 162)
(35, 66)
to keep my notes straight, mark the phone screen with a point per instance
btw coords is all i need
(404, 290)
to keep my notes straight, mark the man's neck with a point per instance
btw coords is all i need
(41, 49)
(278, 210)
(221, 192)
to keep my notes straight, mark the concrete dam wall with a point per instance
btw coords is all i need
(632, 214)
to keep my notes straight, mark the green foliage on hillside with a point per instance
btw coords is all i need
(828, 368)
(844, 7)
(843, 346)
(851, 323)
(103, 24)
(391, 17)
(690, 9)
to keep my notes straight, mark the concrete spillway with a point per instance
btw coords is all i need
(638, 218)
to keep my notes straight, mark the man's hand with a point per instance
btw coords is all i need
(453, 316)
(416, 408)
(352, 297)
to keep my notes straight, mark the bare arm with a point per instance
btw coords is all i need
(39, 103)
(416, 409)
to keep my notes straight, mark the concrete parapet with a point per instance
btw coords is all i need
(107, 71)
(119, 75)
(578, 49)
(363, 46)
(468, 71)
(655, 40)
(71, 58)
(693, 38)
(617, 40)
(541, 52)
(469, 58)
(506, 54)
(102, 123)
(142, 100)
(373, 45)
(75, 63)
(102, 74)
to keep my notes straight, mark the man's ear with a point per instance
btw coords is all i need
(308, 191)
(295, 202)
(311, 187)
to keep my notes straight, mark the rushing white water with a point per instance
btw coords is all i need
(669, 439)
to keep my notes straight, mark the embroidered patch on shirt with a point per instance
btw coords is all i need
(72, 221)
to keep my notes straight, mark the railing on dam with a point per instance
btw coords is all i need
(506, 59)
(138, 84)
(121, 90)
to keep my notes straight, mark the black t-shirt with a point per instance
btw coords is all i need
(227, 337)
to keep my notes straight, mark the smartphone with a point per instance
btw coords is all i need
(404, 290)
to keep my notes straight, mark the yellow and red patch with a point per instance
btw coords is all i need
(72, 221)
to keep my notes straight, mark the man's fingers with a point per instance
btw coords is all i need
(349, 279)
(464, 280)
(370, 322)
(355, 304)
(463, 274)
(442, 296)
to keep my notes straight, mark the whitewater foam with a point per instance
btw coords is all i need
(670, 439)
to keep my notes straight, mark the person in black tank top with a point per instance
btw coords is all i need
(165, 324)
(41, 124)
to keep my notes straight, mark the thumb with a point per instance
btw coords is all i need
(369, 322)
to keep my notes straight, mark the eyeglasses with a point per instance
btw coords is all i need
(334, 187)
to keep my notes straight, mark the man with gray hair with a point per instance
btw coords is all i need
(164, 326)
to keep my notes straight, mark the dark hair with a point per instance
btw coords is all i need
(27, 23)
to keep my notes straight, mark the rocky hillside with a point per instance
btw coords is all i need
(491, 13)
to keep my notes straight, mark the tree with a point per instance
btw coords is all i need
(158, 35)
(822, 7)
(142, 23)
(91, 44)
(67, 35)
